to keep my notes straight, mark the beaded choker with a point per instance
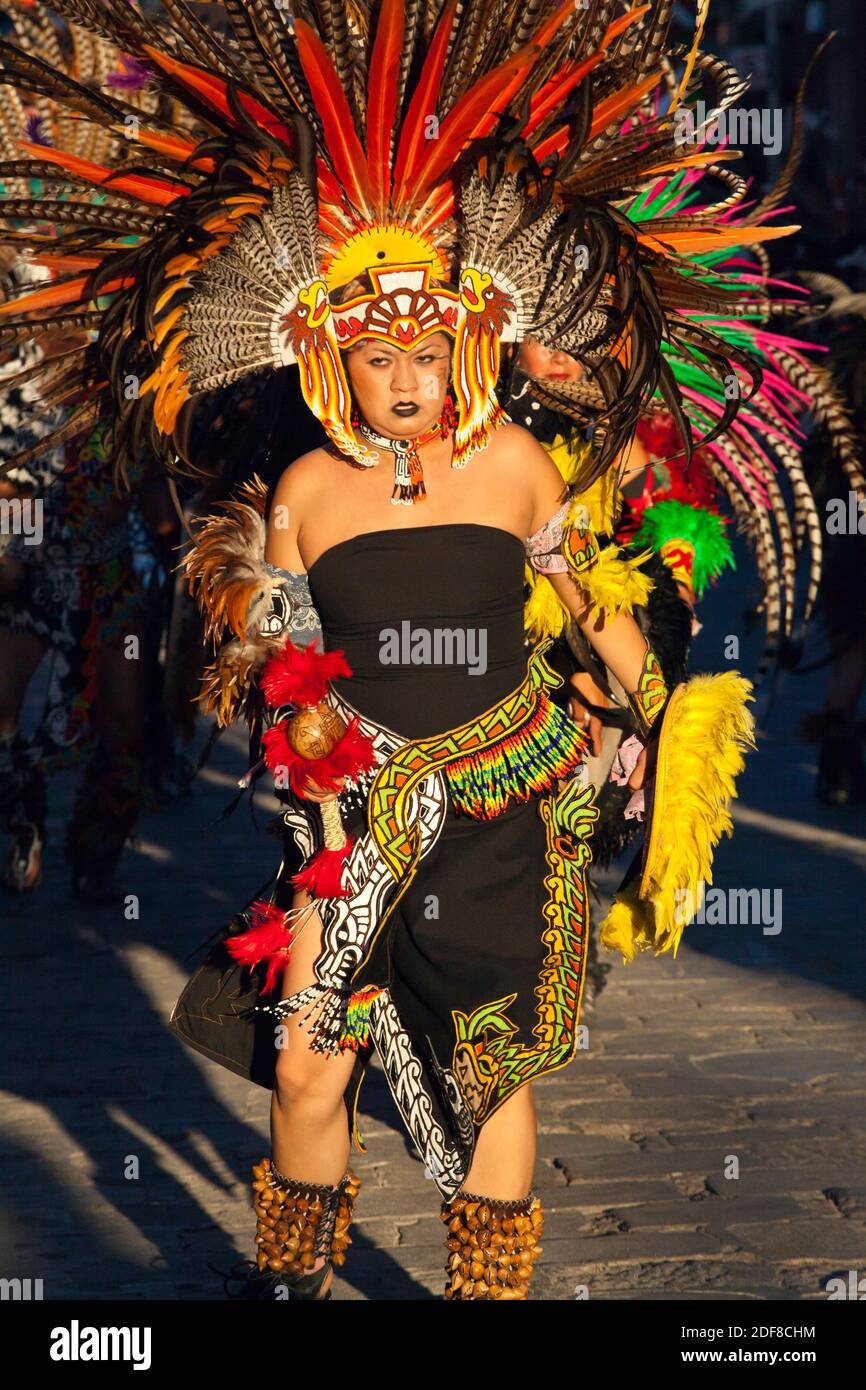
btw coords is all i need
(408, 476)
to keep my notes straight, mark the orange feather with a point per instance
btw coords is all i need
(213, 91)
(619, 104)
(696, 240)
(69, 293)
(382, 99)
(147, 190)
(413, 135)
(58, 263)
(344, 147)
(175, 148)
(691, 161)
(554, 92)
(477, 111)
(557, 88)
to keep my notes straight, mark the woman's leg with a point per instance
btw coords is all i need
(504, 1157)
(494, 1223)
(310, 1134)
(20, 654)
(109, 794)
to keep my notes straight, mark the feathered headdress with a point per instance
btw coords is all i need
(456, 156)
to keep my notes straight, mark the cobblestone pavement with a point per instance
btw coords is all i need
(744, 1056)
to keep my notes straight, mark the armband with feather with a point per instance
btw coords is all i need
(240, 593)
(567, 544)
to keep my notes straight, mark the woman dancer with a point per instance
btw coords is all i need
(375, 205)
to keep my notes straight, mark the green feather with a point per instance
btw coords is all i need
(672, 520)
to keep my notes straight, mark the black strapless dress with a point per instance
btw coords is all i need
(458, 951)
(483, 957)
(380, 594)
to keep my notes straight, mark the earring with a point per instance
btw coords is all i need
(448, 418)
(354, 417)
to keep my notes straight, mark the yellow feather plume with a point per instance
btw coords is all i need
(616, 585)
(601, 498)
(705, 732)
(544, 613)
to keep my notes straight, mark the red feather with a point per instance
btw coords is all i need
(478, 110)
(269, 939)
(413, 136)
(554, 92)
(213, 91)
(435, 215)
(341, 139)
(382, 99)
(149, 190)
(354, 753)
(323, 876)
(301, 675)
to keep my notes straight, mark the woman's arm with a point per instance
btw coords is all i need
(281, 550)
(284, 521)
(616, 637)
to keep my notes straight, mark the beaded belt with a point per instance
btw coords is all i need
(520, 746)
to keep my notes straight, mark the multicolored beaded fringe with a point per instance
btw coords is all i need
(331, 1031)
(356, 1030)
(548, 746)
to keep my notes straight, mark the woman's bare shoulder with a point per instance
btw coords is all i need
(296, 496)
(518, 448)
(515, 444)
(304, 474)
(521, 458)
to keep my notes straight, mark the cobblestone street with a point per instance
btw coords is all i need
(746, 1053)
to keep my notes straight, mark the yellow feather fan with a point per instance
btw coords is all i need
(705, 732)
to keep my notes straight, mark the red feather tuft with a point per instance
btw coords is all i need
(268, 939)
(301, 675)
(322, 877)
(353, 754)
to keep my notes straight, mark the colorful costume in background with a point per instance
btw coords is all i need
(78, 594)
(395, 172)
(76, 589)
